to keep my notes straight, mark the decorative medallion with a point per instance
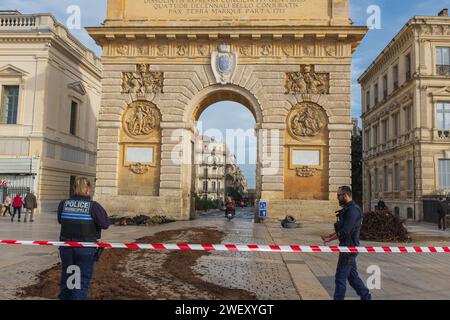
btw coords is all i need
(306, 172)
(288, 49)
(203, 49)
(245, 50)
(266, 50)
(224, 64)
(122, 50)
(306, 120)
(140, 119)
(162, 50)
(139, 168)
(142, 81)
(307, 81)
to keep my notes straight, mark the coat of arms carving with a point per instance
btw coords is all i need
(142, 81)
(306, 120)
(139, 168)
(140, 119)
(224, 64)
(307, 81)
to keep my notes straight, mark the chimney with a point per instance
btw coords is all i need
(443, 13)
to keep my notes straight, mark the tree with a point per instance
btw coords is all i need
(357, 169)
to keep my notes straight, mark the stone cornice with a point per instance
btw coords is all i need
(426, 27)
(391, 51)
(353, 35)
(50, 39)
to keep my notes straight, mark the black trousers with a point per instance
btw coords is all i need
(442, 221)
(16, 210)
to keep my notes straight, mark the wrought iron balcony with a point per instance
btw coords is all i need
(443, 70)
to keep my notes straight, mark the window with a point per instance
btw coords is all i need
(10, 104)
(443, 115)
(205, 186)
(205, 172)
(73, 118)
(395, 75)
(386, 179)
(408, 67)
(396, 177)
(376, 134)
(410, 213)
(376, 93)
(377, 181)
(444, 174)
(385, 87)
(214, 186)
(409, 119)
(385, 125)
(218, 185)
(396, 124)
(368, 100)
(367, 140)
(443, 61)
(410, 169)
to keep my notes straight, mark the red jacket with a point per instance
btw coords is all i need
(17, 202)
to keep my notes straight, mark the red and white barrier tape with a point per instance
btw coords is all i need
(230, 247)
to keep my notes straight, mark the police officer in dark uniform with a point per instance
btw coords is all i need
(348, 229)
(81, 220)
(442, 213)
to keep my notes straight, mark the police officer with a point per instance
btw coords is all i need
(81, 220)
(347, 231)
(442, 213)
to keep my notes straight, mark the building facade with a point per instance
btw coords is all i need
(216, 170)
(406, 127)
(50, 95)
(288, 62)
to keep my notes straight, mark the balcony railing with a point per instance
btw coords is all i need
(443, 70)
(17, 21)
(444, 134)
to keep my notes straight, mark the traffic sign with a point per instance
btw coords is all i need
(262, 209)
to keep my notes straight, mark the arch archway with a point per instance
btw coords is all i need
(240, 177)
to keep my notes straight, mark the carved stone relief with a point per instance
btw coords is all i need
(306, 172)
(140, 119)
(142, 81)
(139, 168)
(307, 81)
(307, 119)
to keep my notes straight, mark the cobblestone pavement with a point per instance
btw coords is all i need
(268, 275)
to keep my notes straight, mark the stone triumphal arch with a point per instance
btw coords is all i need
(164, 62)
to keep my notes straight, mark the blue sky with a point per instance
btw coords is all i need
(394, 15)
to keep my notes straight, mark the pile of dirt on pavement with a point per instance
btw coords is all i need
(383, 226)
(123, 274)
(139, 220)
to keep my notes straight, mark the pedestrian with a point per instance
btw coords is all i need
(347, 231)
(442, 213)
(30, 202)
(7, 205)
(82, 220)
(381, 205)
(17, 206)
